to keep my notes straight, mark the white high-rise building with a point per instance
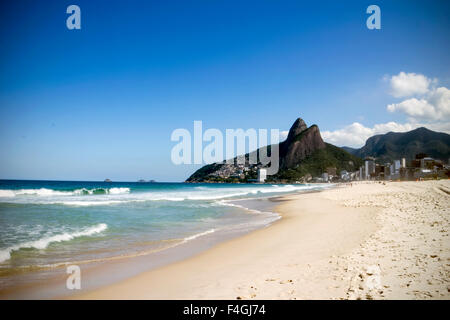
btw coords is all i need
(262, 175)
(397, 166)
(369, 167)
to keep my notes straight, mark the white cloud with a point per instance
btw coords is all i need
(413, 107)
(356, 134)
(283, 135)
(425, 103)
(409, 84)
(426, 106)
(433, 106)
(438, 126)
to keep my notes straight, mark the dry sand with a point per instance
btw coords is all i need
(368, 241)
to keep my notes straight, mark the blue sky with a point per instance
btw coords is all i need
(102, 102)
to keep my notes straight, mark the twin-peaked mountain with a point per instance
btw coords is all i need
(300, 143)
(302, 154)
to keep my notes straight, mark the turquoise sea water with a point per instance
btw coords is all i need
(44, 224)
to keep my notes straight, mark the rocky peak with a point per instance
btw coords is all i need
(298, 127)
(301, 143)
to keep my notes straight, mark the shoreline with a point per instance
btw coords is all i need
(108, 271)
(369, 241)
(222, 271)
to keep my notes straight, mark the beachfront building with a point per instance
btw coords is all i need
(427, 163)
(422, 167)
(262, 175)
(394, 170)
(387, 170)
(369, 167)
(397, 166)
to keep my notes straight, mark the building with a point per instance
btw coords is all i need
(262, 175)
(369, 167)
(392, 172)
(403, 163)
(387, 170)
(379, 171)
(397, 166)
(426, 163)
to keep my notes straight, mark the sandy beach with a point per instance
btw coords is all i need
(367, 241)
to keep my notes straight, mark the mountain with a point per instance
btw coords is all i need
(302, 154)
(300, 143)
(397, 145)
(349, 149)
(327, 159)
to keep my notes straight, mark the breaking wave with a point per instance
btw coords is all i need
(44, 192)
(43, 243)
(121, 195)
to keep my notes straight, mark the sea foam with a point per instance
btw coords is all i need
(201, 234)
(44, 242)
(44, 192)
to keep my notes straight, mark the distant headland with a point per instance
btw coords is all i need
(305, 157)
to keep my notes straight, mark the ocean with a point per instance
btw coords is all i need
(49, 224)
